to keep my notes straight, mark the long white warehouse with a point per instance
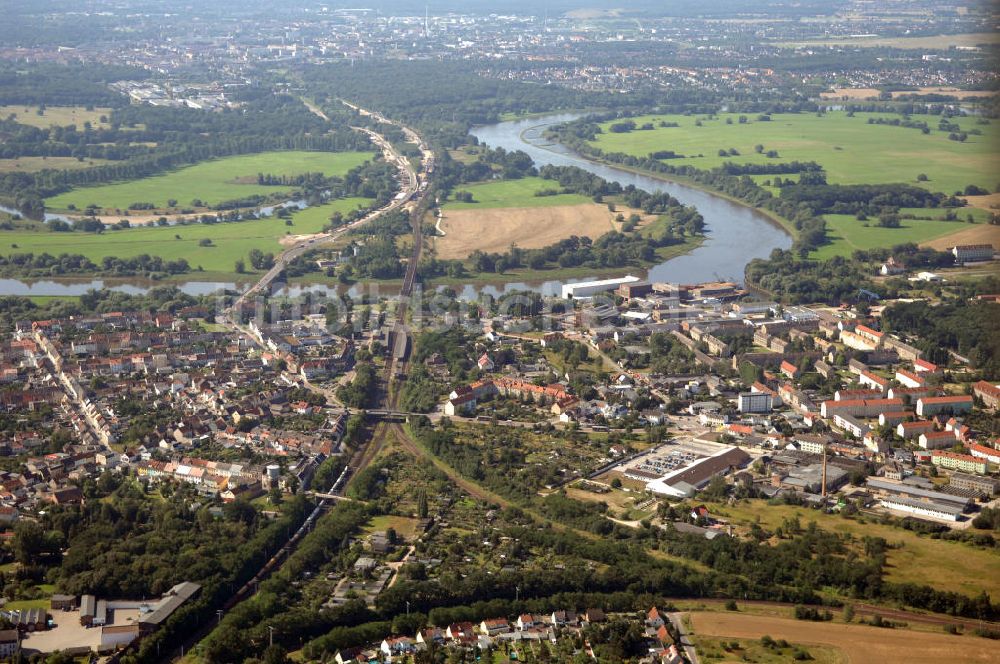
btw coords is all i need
(589, 288)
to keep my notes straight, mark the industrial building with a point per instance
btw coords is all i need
(922, 502)
(683, 482)
(591, 288)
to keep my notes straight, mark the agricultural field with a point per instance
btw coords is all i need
(34, 164)
(850, 150)
(856, 644)
(56, 116)
(924, 42)
(508, 211)
(911, 558)
(978, 234)
(230, 241)
(494, 230)
(855, 94)
(210, 182)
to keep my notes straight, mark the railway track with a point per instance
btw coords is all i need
(414, 189)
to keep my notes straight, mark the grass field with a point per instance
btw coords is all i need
(858, 644)
(752, 650)
(212, 181)
(34, 164)
(847, 234)
(56, 116)
(916, 559)
(513, 194)
(848, 148)
(231, 240)
(405, 527)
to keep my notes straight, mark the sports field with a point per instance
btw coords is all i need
(916, 559)
(211, 182)
(858, 644)
(230, 240)
(512, 194)
(850, 150)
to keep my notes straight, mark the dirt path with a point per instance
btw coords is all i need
(859, 643)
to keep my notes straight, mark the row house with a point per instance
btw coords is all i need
(861, 407)
(927, 406)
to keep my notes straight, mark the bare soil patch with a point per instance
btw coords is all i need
(290, 240)
(859, 643)
(495, 229)
(971, 234)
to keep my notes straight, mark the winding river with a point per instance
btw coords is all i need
(735, 234)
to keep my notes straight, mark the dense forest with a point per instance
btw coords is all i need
(968, 328)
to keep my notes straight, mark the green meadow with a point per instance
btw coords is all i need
(212, 181)
(850, 150)
(514, 193)
(847, 234)
(230, 240)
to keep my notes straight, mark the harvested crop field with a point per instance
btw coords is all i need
(859, 643)
(989, 202)
(873, 93)
(971, 234)
(495, 229)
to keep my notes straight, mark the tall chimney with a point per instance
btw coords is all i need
(824, 472)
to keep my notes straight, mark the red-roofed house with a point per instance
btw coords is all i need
(485, 363)
(789, 369)
(988, 392)
(927, 406)
(861, 407)
(911, 430)
(936, 440)
(874, 381)
(983, 452)
(960, 462)
(909, 378)
(923, 366)
(868, 333)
